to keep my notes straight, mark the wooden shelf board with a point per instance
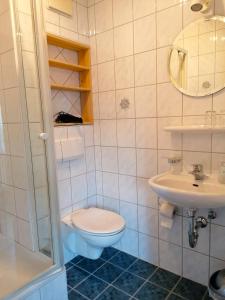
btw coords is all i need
(63, 65)
(69, 88)
(65, 43)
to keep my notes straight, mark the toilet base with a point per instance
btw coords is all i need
(88, 246)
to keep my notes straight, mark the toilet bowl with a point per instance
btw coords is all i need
(88, 231)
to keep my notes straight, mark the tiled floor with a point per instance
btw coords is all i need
(119, 276)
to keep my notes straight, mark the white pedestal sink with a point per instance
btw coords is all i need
(182, 190)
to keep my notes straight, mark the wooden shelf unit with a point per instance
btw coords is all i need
(84, 69)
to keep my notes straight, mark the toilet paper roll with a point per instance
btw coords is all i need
(167, 211)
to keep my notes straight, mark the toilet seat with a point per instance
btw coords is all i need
(98, 221)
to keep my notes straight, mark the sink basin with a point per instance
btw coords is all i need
(184, 191)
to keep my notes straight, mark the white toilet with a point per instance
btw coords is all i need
(88, 231)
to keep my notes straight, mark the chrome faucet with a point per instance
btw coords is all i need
(198, 172)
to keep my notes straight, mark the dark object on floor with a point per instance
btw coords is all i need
(63, 117)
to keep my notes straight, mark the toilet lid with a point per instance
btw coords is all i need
(96, 220)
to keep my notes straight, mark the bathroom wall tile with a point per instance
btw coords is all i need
(88, 135)
(145, 159)
(24, 233)
(8, 64)
(82, 19)
(196, 106)
(111, 204)
(145, 101)
(173, 235)
(103, 15)
(123, 40)
(65, 195)
(109, 159)
(143, 8)
(217, 245)
(126, 132)
(128, 188)
(169, 100)
(148, 248)
(122, 11)
(96, 106)
(77, 166)
(27, 37)
(169, 21)
(108, 133)
(129, 212)
(99, 183)
(30, 69)
(168, 140)
(195, 266)
(126, 245)
(190, 158)
(90, 159)
(143, 75)
(146, 197)
(148, 220)
(19, 171)
(105, 51)
(106, 77)
(124, 70)
(79, 188)
(98, 158)
(91, 184)
(69, 23)
(6, 32)
(110, 185)
(33, 105)
(143, 126)
(22, 204)
(162, 4)
(129, 112)
(107, 105)
(127, 161)
(162, 65)
(170, 257)
(218, 144)
(145, 34)
(197, 143)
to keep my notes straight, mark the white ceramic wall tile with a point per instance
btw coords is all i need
(65, 196)
(148, 248)
(126, 245)
(106, 77)
(145, 101)
(143, 8)
(146, 196)
(79, 188)
(195, 266)
(126, 132)
(107, 105)
(127, 161)
(6, 32)
(103, 15)
(123, 40)
(145, 68)
(110, 185)
(108, 133)
(129, 212)
(128, 188)
(124, 72)
(122, 11)
(144, 140)
(109, 159)
(104, 42)
(146, 163)
(170, 257)
(217, 245)
(145, 34)
(148, 220)
(128, 112)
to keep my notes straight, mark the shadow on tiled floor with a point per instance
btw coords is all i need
(120, 276)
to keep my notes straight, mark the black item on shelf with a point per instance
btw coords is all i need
(63, 117)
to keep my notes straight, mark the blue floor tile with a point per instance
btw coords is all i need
(75, 275)
(151, 292)
(91, 287)
(108, 253)
(175, 297)
(76, 259)
(73, 295)
(142, 268)
(112, 293)
(69, 265)
(190, 290)
(123, 260)
(128, 283)
(165, 279)
(108, 272)
(90, 265)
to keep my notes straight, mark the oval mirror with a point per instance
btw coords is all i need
(197, 57)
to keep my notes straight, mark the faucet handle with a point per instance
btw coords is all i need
(197, 167)
(174, 160)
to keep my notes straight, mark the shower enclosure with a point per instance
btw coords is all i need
(29, 246)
